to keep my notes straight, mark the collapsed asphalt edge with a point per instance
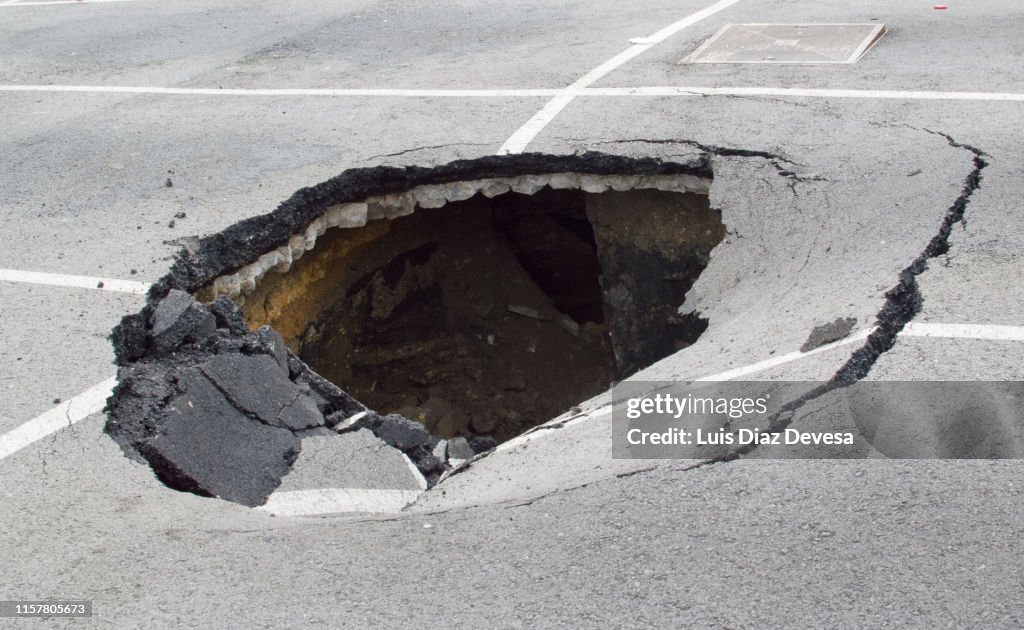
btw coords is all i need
(902, 304)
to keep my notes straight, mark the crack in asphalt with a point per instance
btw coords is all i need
(903, 303)
(286, 406)
(775, 159)
(554, 426)
(232, 400)
(427, 148)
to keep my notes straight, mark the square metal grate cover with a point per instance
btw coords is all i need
(788, 43)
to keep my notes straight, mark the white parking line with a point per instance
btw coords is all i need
(803, 92)
(63, 415)
(92, 400)
(421, 481)
(728, 375)
(760, 366)
(524, 135)
(80, 282)
(946, 331)
(560, 97)
(180, 91)
(37, 3)
(338, 500)
(964, 331)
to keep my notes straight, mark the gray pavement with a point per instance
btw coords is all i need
(549, 531)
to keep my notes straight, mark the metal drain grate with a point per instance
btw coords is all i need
(788, 43)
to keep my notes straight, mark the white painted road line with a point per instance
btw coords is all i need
(803, 92)
(964, 331)
(80, 282)
(524, 135)
(944, 331)
(92, 400)
(178, 91)
(558, 95)
(63, 415)
(338, 500)
(746, 370)
(421, 481)
(729, 375)
(39, 3)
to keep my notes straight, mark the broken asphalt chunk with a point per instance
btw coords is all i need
(395, 430)
(228, 315)
(179, 318)
(256, 385)
(273, 342)
(208, 447)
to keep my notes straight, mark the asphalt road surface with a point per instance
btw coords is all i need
(239, 104)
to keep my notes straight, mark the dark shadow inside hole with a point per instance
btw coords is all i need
(490, 316)
(554, 243)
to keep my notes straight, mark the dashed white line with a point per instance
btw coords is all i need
(338, 500)
(63, 415)
(79, 282)
(524, 135)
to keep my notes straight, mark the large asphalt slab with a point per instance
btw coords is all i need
(550, 531)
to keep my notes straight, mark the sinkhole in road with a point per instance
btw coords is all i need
(429, 310)
(491, 315)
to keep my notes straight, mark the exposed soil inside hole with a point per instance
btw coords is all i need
(490, 316)
(457, 331)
